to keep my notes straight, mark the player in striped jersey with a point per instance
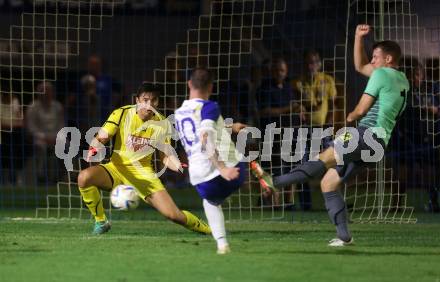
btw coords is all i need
(214, 165)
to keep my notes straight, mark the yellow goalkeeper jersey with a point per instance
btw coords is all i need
(134, 141)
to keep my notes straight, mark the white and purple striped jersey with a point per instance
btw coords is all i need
(194, 117)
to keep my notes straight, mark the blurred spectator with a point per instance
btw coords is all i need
(44, 119)
(276, 103)
(422, 105)
(233, 100)
(275, 98)
(317, 89)
(318, 92)
(11, 139)
(95, 86)
(260, 73)
(175, 85)
(110, 98)
(418, 158)
(90, 104)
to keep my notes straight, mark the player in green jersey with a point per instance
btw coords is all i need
(379, 107)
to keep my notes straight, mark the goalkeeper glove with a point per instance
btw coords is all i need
(93, 151)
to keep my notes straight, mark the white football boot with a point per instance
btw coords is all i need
(339, 243)
(223, 250)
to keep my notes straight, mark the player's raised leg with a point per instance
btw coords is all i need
(264, 178)
(163, 202)
(330, 183)
(312, 169)
(88, 181)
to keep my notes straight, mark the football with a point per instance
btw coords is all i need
(124, 198)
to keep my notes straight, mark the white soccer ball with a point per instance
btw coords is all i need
(124, 198)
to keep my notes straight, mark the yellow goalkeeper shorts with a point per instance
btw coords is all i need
(143, 179)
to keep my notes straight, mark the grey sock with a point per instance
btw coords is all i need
(337, 212)
(301, 174)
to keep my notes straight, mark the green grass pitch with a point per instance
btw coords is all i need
(157, 250)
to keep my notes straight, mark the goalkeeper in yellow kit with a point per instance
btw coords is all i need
(136, 131)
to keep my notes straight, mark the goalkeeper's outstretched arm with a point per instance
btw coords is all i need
(105, 133)
(98, 143)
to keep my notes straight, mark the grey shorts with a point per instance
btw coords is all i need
(353, 162)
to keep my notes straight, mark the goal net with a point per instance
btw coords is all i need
(243, 43)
